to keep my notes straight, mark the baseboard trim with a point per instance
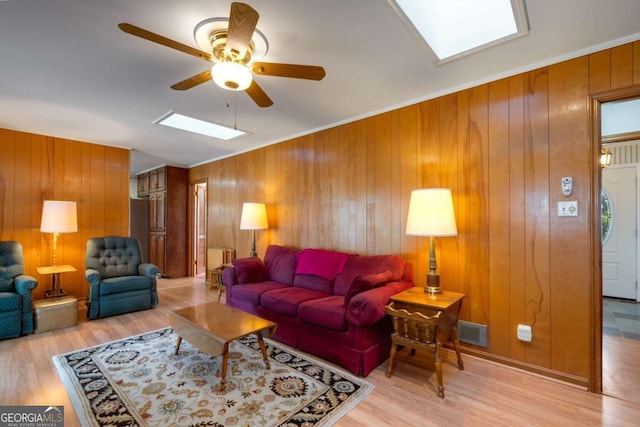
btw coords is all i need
(551, 374)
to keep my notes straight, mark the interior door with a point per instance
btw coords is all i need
(200, 228)
(619, 262)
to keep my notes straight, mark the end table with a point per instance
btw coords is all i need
(55, 271)
(446, 306)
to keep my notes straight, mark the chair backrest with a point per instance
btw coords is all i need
(114, 256)
(11, 264)
(413, 329)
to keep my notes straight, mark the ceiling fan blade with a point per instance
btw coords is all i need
(193, 81)
(242, 23)
(309, 72)
(258, 95)
(157, 38)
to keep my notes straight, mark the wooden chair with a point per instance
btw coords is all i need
(417, 332)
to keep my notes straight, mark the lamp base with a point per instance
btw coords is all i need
(433, 284)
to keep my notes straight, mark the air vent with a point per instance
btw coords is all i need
(472, 333)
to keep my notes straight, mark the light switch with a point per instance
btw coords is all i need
(568, 208)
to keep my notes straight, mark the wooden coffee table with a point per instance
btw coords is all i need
(211, 327)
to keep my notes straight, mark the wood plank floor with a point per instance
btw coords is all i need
(484, 394)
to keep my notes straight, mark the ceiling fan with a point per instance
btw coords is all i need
(231, 51)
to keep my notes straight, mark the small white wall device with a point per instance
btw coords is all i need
(567, 183)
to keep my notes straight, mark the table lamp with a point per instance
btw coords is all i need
(431, 214)
(254, 217)
(58, 217)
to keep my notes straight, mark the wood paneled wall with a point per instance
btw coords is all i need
(502, 148)
(34, 168)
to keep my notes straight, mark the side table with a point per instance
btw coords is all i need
(215, 278)
(438, 311)
(55, 271)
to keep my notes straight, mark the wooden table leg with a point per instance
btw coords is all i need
(178, 345)
(456, 346)
(263, 349)
(223, 371)
(392, 356)
(439, 370)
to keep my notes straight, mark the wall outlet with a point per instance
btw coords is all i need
(524, 333)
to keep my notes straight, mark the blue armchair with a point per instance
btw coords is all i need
(16, 302)
(119, 282)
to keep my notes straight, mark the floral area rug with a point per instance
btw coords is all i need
(139, 381)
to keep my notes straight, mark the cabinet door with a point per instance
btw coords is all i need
(161, 210)
(160, 253)
(161, 178)
(143, 185)
(153, 222)
(157, 251)
(153, 248)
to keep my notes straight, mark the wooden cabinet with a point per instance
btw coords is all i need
(168, 201)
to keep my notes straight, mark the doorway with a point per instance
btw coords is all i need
(199, 234)
(615, 207)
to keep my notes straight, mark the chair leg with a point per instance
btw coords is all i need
(439, 370)
(456, 346)
(392, 356)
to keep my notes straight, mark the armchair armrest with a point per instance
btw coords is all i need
(147, 269)
(92, 276)
(25, 284)
(368, 307)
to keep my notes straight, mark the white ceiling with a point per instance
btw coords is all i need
(66, 70)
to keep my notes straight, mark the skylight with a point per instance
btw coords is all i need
(202, 127)
(453, 28)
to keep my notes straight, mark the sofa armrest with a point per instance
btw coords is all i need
(25, 284)
(367, 307)
(147, 269)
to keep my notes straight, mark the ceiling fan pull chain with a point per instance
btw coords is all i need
(235, 113)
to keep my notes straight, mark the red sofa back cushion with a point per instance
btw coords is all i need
(281, 263)
(250, 270)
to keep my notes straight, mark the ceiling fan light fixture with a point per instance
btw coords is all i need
(231, 75)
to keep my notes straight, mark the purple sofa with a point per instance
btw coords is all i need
(326, 303)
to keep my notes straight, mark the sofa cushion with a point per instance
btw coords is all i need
(6, 282)
(313, 282)
(115, 285)
(250, 270)
(364, 283)
(251, 292)
(364, 265)
(328, 312)
(10, 301)
(280, 263)
(285, 301)
(320, 262)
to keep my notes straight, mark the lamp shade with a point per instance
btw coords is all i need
(59, 217)
(254, 217)
(431, 213)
